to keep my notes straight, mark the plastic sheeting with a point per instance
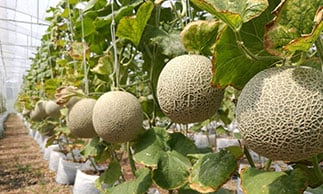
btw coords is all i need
(22, 24)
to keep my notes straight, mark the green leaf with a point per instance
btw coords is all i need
(178, 140)
(313, 179)
(257, 181)
(170, 44)
(296, 26)
(199, 36)
(126, 10)
(90, 149)
(236, 151)
(172, 171)
(104, 65)
(318, 190)
(111, 174)
(305, 42)
(131, 28)
(88, 26)
(233, 64)
(211, 171)
(233, 12)
(150, 146)
(138, 186)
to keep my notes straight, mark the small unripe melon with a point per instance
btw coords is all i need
(79, 118)
(117, 117)
(52, 109)
(38, 113)
(280, 113)
(184, 89)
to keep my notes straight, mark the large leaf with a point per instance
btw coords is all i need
(211, 171)
(104, 65)
(151, 146)
(111, 175)
(257, 181)
(172, 171)
(131, 28)
(78, 49)
(138, 186)
(178, 140)
(313, 179)
(318, 190)
(170, 44)
(126, 10)
(199, 36)
(236, 66)
(233, 12)
(296, 26)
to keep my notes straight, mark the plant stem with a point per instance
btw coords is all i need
(317, 168)
(267, 165)
(249, 158)
(131, 161)
(248, 53)
(93, 164)
(319, 48)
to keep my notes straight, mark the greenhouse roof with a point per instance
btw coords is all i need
(22, 24)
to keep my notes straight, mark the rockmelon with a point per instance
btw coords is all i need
(118, 117)
(52, 109)
(184, 89)
(38, 113)
(79, 118)
(280, 113)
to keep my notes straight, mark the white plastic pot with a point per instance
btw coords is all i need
(54, 159)
(66, 171)
(203, 141)
(48, 151)
(43, 144)
(85, 183)
(31, 132)
(226, 142)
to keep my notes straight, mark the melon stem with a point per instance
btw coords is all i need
(131, 161)
(317, 168)
(268, 164)
(248, 156)
(319, 48)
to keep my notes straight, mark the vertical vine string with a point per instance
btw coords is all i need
(114, 46)
(84, 62)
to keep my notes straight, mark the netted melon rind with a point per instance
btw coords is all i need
(79, 118)
(38, 113)
(280, 113)
(117, 117)
(184, 89)
(52, 109)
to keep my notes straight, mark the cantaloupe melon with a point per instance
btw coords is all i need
(118, 117)
(79, 118)
(38, 113)
(280, 113)
(52, 109)
(184, 89)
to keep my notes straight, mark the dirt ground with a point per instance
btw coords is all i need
(22, 167)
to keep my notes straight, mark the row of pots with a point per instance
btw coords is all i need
(67, 171)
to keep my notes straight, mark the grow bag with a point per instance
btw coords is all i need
(85, 183)
(48, 151)
(54, 157)
(66, 171)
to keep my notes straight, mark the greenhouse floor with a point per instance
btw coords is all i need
(22, 167)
